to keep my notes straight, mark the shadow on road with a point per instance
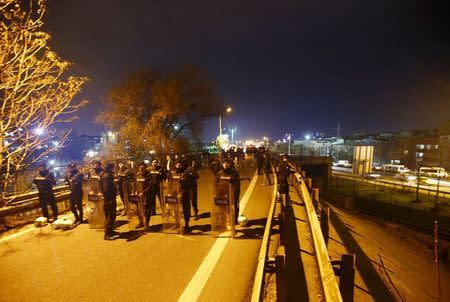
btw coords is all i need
(204, 215)
(373, 281)
(296, 288)
(131, 235)
(250, 233)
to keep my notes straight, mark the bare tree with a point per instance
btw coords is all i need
(160, 112)
(35, 92)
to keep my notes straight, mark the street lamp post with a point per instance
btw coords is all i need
(227, 110)
(288, 136)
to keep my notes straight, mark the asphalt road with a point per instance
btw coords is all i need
(397, 179)
(78, 265)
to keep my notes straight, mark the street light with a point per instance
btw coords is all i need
(227, 110)
(288, 136)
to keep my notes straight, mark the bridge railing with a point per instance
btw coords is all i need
(327, 276)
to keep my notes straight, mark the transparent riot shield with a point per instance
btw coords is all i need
(95, 203)
(171, 211)
(134, 202)
(222, 209)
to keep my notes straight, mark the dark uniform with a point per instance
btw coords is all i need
(283, 171)
(267, 168)
(109, 191)
(155, 178)
(44, 181)
(143, 179)
(259, 160)
(235, 181)
(193, 176)
(181, 174)
(75, 182)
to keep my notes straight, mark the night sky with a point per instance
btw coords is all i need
(284, 66)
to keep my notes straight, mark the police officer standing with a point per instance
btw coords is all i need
(181, 174)
(283, 171)
(235, 180)
(267, 168)
(75, 181)
(45, 181)
(155, 178)
(123, 175)
(109, 191)
(193, 175)
(143, 179)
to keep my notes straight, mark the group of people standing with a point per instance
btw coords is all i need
(149, 178)
(182, 168)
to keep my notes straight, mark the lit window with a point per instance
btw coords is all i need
(405, 151)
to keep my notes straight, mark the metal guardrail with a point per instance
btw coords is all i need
(258, 284)
(30, 201)
(327, 277)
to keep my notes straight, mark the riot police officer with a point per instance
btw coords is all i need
(96, 170)
(267, 168)
(155, 178)
(235, 180)
(75, 181)
(193, 185)
(109, 191)
(45, 181)
(180, 172)
(283, 171)
(143, 176)
(123, 174)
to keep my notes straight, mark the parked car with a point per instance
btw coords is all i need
(342, 163)
(433, 172)
(394, 168)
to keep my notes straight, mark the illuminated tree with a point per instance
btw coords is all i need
(35, 92)
(159, 112)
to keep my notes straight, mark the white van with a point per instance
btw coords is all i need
(433, 172)
(394, 168)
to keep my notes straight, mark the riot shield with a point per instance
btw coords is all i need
(171, 211)
(95, 203)
(134, 201)
(222, 209)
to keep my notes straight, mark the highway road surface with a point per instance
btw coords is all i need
(78, 265)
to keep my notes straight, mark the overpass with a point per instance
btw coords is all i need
(280, 255)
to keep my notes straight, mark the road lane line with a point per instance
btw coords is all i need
(201, 276)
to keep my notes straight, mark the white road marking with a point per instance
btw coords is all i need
(201, 277)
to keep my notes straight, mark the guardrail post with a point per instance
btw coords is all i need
(347, 277)
(324, 223)
(315, 198)
(280, 267)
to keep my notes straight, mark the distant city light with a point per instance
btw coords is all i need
(110, 133)
(176, 127)
(51, 162)
(55, 143)
(91, 153)
(229, 109)
(307, 137)
(39, 131)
